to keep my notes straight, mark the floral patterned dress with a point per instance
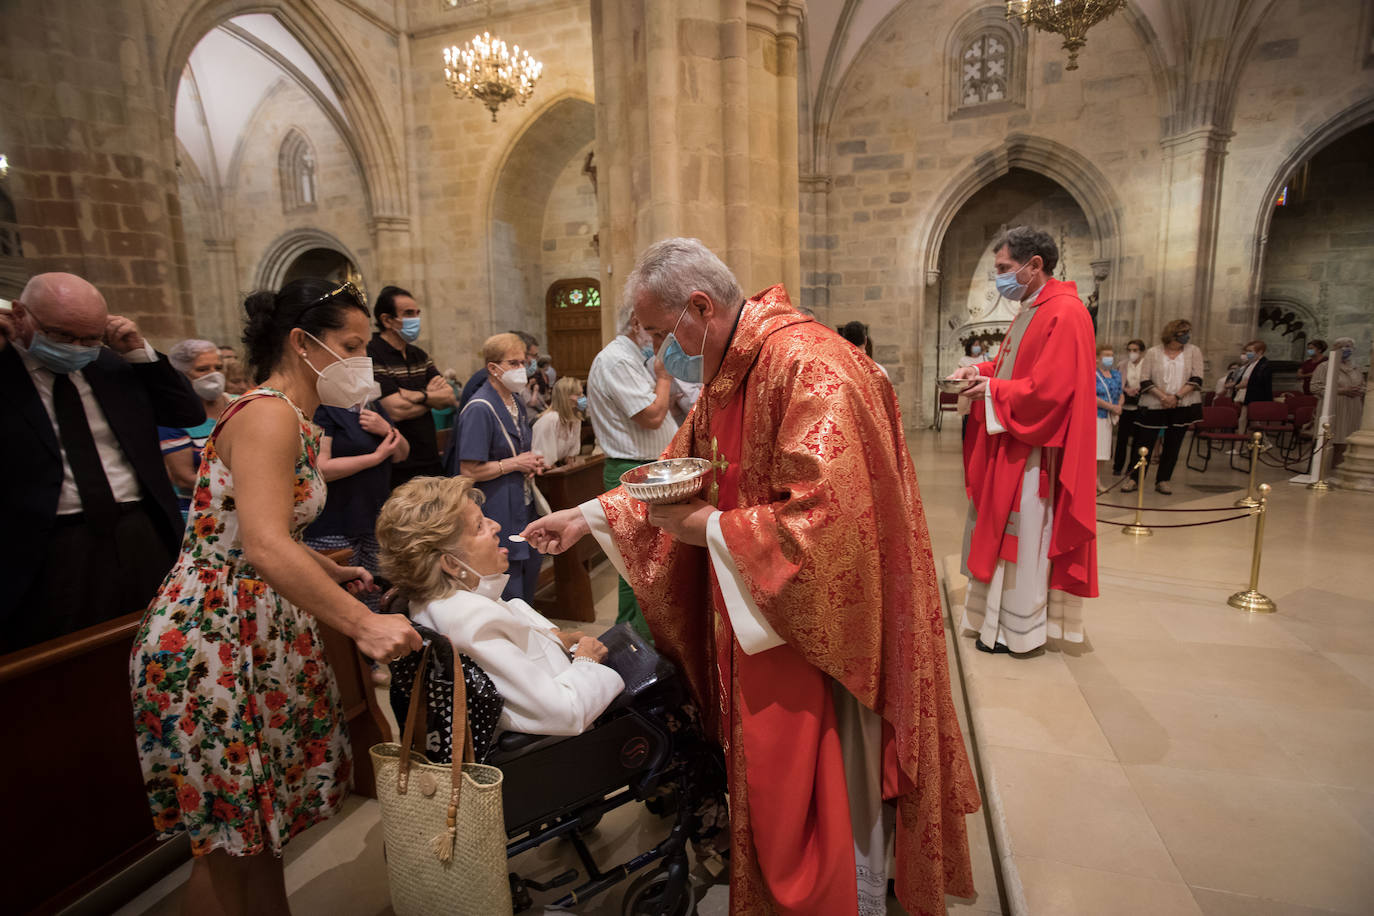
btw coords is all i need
(236, 711)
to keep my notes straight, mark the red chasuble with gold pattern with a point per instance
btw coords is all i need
(1049, 401)
(822, 516)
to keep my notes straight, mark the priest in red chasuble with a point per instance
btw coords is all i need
(1030, 543)
(799, 599)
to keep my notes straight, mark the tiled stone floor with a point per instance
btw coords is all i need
(1190, 758)
(1187, 759)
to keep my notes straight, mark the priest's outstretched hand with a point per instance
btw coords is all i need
(557, 531)
(684, 521)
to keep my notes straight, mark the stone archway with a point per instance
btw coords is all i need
(559, 134)
(1318, 247)
(287, 250)
(966, 304)
(1062, 165)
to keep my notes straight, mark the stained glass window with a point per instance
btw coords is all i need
(986, 66)
(578, 297)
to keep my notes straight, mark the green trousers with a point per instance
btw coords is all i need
(627, 608)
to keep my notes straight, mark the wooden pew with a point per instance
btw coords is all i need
(75, 807)
(565, 487)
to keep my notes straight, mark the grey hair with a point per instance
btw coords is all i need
(1343, 342)
(671, 270)
(183, 354)
(1025, 242)
(625, 315)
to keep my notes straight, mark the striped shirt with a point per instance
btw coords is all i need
(410, 369)
(620, 385)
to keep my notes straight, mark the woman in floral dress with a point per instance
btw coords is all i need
(236, 711)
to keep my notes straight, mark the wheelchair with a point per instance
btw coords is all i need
(647, 748)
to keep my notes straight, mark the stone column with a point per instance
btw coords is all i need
(88, 130)
(392, 257)
(227, 313)
(1192, 205)
(1356, 470)
(697, 134)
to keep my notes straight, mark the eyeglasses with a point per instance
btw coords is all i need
(57, 335)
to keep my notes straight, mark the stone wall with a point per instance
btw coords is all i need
(92, 167)
(1320, 252)
(1306, 83)
(901, 165)
(459, 155)
(254, 193)
(569, 224)
(895, 164)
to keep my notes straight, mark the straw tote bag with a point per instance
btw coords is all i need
(443, 825)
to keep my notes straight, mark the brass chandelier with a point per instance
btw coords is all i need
(487, 70)
(1070, 18)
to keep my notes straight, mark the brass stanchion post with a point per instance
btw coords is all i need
(1138, 529)
(1320, 483)
(1251, 600)
(1248, 501)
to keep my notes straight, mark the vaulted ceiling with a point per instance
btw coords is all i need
(231, 71)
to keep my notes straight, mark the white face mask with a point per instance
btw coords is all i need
(346, 383)
(209, 386)
(515, 379)
(490, 586)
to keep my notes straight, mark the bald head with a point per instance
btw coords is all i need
(61, 302)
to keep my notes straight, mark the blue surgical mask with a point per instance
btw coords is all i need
(679, 365)
(582, 403)
(410, 328)
(647, 351)
(1008, 287)
(1311, 352)
(1107, 362)
(975, 349)
(61, 358)
(1249, 355)
(1347, 352)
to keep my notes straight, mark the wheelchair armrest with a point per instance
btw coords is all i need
(512, 744)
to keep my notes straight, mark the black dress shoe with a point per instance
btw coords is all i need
(997, 649)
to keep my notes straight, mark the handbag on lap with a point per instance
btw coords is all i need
(443, 824)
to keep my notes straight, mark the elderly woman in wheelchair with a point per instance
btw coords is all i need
(444, 556)
(560, 774)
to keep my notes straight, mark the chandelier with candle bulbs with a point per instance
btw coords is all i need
(1070, 18)
(487, 70)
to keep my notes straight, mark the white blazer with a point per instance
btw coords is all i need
(545, 692)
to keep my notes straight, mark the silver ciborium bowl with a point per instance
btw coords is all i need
(953, 385)
(669, 481)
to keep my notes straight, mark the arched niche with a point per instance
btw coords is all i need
(283, 257)
(555, 139)
(967, 306)
(1318, 250)
(1065, 167)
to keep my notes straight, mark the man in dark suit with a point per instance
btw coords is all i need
(92, 523)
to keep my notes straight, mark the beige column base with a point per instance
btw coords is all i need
(1356, 470)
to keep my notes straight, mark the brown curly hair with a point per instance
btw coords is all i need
(418, 524)
(1177, 326)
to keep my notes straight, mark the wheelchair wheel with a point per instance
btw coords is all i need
(645, 896)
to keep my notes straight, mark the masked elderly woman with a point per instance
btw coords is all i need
(446, 558)
(1347, 405)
